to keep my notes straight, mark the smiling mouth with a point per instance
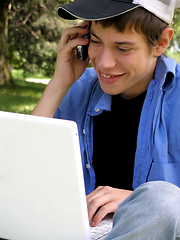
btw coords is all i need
(108, 77)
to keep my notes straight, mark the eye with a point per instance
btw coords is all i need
(94, 41)
(124, 50)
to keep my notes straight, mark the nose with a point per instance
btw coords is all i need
(106, 59)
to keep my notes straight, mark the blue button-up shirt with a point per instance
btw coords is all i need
(158, 143)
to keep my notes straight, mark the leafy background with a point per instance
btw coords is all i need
(35, 29)
(28, 46)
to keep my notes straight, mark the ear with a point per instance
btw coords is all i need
(164, 41)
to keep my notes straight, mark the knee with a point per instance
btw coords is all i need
(163, 197)
(161, 192)
(153, 207)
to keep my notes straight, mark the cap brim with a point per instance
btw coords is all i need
(92, 10)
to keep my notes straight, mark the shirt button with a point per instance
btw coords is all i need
(84, 132)
(97, 109)
(88, 166)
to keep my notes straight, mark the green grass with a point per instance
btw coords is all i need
(22, 96)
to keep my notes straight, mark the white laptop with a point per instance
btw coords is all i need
(42, 195)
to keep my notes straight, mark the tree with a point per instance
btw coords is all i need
(31, 33)
(5, 71)
(34, 29)
(34, 32)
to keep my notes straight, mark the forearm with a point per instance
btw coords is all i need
(68, 69)
(50, 100)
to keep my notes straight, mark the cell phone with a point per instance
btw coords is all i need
(82, 51)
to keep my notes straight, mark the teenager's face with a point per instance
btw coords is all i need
(123, 61)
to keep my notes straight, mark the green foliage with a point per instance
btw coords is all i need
(176, 26)
(34, 32)
(174, 48)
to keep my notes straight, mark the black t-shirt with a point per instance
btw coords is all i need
(115, 136)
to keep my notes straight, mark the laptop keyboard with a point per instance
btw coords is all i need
(99, 232)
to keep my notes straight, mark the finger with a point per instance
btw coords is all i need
(96, 203)
(84, 23)
(103, 211)
(73, 32)
(92, 200)
(69, 49)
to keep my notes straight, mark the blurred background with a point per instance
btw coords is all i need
(29, 33)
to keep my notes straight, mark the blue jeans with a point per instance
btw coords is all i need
(151, 212)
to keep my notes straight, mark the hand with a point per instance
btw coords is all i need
(104, 200)
(68, 67)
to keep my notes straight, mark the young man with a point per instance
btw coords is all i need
(126, 107)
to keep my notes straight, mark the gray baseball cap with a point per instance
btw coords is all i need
(92, 10)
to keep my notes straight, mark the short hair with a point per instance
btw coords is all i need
(140, 20)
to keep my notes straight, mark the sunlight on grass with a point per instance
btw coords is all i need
(22, 97)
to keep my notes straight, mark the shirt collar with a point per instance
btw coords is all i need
(165, 72)
(99, 101)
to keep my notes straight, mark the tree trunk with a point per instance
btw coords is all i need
(5, 70)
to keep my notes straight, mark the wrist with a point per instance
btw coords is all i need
(59, 86)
